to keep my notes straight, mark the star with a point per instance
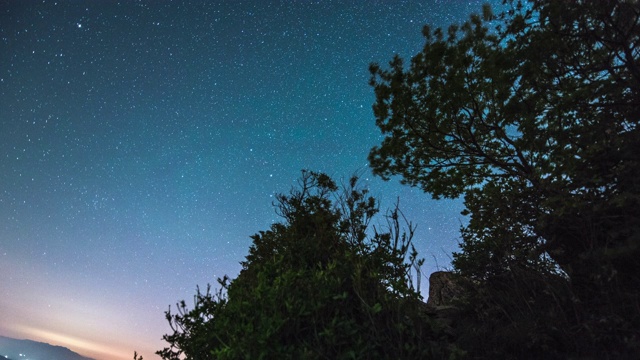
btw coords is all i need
(178, 137)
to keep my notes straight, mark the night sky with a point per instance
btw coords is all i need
(142, 143)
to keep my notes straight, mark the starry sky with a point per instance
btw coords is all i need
(142, 143)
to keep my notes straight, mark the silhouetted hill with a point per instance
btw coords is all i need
(12, 348)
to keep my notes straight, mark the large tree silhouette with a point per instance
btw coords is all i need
(532, 116)
(535, 123)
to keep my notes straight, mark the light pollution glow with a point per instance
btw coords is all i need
(83, 346)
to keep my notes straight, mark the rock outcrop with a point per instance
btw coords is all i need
(443, 289)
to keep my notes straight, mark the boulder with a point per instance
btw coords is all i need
(443, 289)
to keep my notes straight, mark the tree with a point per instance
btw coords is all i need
(321, 284)
(535, 122)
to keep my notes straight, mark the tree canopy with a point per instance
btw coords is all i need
(533, 121)
(532, 116)
(321, 284)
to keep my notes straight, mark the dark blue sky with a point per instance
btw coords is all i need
(142, 142)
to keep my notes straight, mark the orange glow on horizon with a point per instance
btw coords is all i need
(84, 347)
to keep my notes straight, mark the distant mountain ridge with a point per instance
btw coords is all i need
(12, 348)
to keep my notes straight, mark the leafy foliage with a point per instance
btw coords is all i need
(536, 123)
(321, 284)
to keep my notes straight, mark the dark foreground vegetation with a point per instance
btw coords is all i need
(532, 116)
(315, 286)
